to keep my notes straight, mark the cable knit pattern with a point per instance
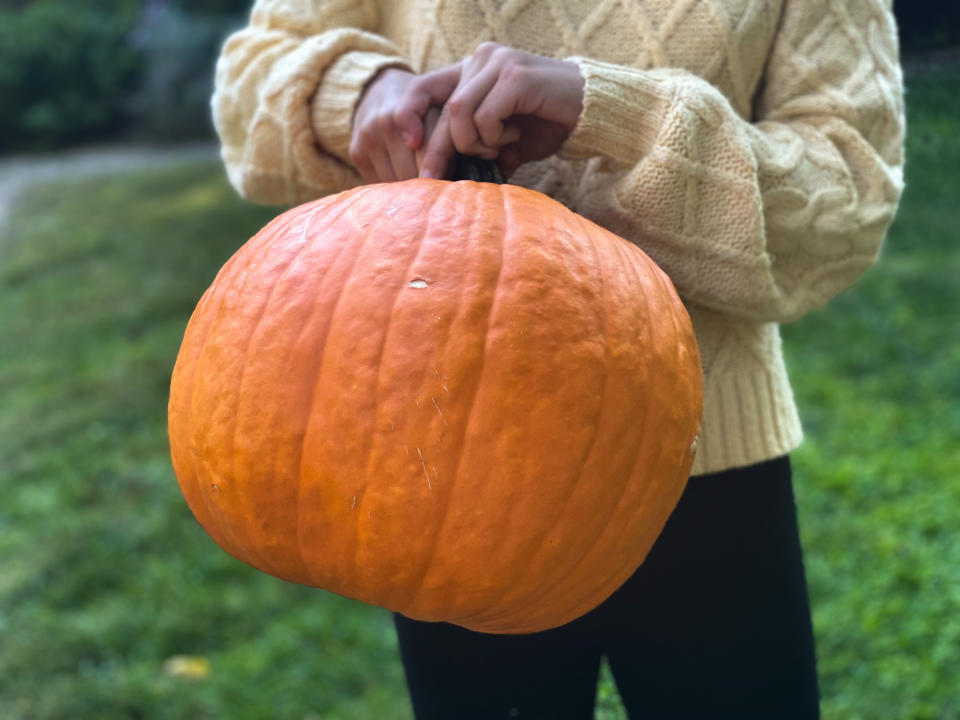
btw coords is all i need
(753, 148)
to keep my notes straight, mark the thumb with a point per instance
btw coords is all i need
(440, 150)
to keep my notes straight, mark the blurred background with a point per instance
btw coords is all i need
(114, 217)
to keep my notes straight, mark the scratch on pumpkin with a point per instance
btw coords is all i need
(425, 473)
(438, 410)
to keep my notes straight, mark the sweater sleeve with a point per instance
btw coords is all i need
(766, 217)
(285, 89)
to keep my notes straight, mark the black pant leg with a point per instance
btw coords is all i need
(457, 674)
(716, 623)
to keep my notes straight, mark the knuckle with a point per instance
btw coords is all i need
(417, 86)
(515, 69)
(364, 139)
(485, 120)
(356, 150)
(357, 157)
(463, 144)
(455, 106)
(400, 114)
(384, 124)
(487, 48)
(505, 55)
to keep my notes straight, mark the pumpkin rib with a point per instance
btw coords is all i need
(270, 230)
(318, 355)
(357, 196)
(301, 571)
(393, 596)
(589, 233)
(173, 413)
(243, 547)
(482, 365)
(681, 349)
(510, 508)
(653, 489)
(655, 486)
(575, 568)
(645, 437)
(259, 247)
(369, 440)
(508, 221)
(217, 288)
(255, 329)
(588, 451)
(417, 587)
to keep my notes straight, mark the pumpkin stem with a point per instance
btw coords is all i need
(467, 167)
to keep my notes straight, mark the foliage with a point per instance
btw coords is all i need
(76, 72)
(66, 69)
(104, 575)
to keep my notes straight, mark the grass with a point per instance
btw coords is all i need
(877, 377)
(104, 572)
(104, 575)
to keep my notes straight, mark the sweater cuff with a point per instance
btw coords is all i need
(340, 89)
(623, 111)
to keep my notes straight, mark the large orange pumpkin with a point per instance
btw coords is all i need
(460, 401)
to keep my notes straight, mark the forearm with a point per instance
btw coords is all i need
(281, 142)
(763, 218)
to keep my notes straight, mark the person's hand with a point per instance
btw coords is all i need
(390, 123)
(507, 105)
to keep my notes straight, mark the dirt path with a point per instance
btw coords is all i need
(20, 172)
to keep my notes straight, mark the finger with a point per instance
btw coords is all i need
(430, 121)
(363, 166)
(463, 105)
(360, 159)
(427, 90)
(402, 161)
(500, 103)
(511, 134)
(440, 149)
(382, 167)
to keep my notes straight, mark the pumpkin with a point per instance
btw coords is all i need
(460, 401)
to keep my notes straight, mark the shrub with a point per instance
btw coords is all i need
(66, 69)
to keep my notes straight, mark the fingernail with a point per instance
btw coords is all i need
(428, 174)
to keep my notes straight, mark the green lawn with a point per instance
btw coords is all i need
(104, 575)
(877, 377)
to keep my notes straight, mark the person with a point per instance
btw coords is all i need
(753, 148)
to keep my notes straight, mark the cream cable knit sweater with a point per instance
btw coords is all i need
(753, 148)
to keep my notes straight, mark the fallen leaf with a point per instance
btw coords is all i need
(192, 667)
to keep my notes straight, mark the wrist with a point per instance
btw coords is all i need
(574, 83)
(334, 105)
(384, 76)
